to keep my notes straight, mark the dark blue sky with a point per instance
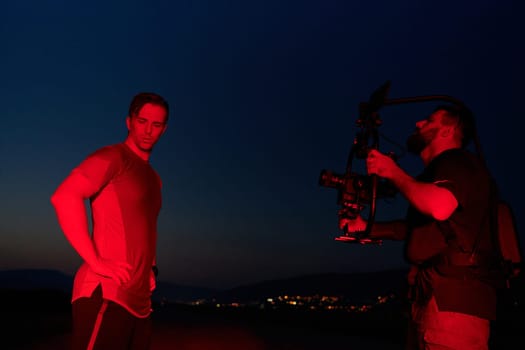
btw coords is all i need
(264, 94)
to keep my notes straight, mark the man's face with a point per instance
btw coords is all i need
(147, 126)
(425, 133)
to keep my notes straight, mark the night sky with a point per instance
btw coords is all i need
(263, 95)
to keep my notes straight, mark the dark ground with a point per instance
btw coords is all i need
(43, 322)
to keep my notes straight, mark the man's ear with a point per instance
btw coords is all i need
(128, 122)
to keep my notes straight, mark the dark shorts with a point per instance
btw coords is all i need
(101, 324)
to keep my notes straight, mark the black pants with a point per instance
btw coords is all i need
(101, 324)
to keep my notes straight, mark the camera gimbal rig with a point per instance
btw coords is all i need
(356, 191)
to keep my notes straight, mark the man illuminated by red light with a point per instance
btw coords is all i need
(453, 278)
(111, 299)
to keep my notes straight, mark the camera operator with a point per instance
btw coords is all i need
(452, 292)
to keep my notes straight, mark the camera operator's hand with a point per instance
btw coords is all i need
(381, 165)
(354, 230)
(352, 225)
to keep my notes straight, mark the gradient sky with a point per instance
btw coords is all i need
(264, 95)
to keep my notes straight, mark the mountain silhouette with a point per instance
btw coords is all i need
(173, 292)
(24, 280)
(359, 287)
(35, 279)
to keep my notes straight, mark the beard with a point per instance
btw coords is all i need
(418, 141)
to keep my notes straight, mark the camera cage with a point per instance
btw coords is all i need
(357, 191)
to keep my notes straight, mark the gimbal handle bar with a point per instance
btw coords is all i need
(370, 120)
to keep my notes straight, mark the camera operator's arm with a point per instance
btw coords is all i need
(428, 198)
(392, 230)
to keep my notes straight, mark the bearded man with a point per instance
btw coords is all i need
(452, 285)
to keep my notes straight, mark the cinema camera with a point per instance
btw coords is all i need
(354, 192)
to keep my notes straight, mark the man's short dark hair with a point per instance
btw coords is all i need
(464, 118)
(142, 98)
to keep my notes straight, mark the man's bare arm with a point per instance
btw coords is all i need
(69, 203)
(394, 230)
(428, 198)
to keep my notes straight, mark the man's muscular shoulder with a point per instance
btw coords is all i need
(109, 152)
